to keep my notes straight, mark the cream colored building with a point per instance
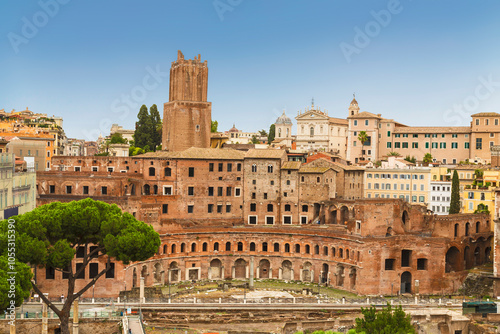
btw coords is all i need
(17, 187)
(318, 131)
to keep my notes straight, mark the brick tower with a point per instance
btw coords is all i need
(187, 116)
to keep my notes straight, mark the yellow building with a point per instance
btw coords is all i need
(17, 186)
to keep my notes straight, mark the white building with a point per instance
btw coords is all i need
(440, 197)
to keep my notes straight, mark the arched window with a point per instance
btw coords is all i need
(151, 171)
(467, 229)
(252, 247)
(173, 249)
(325, 250)
(287, 132)
(254, 168)
(477, 227)
(308, 249)
(168, 171)
(269, 208)
(155, 189)
(341, 253)
(279, 133)
(347, 254)
(193, 247)
(228, 246)
(333, 251)
(311, 131)
(183, 248)
(269, 168)
(264, 246)
(297, 248)
(316, 250)
(276, 247)
(165, 249)
(216, 246)
(287, 248)
(205, 247)
(240, 246)
(147, 189)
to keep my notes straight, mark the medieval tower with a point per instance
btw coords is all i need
(187, 115)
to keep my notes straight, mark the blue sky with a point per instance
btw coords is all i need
(418, 62)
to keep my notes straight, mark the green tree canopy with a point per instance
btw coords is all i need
(427, 158)
(117, 138)
(13, 288)
(214, 126)
(255, 140)
(143, 128)
(387, 321)
(49, 235)
(455, 194)
(272, 133)
(363, 138)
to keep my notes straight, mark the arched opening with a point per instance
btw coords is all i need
(264, 246)
(205, 247)
(341, 253)
(151, 171)
(352, 276)
(252, 247)
(216, 269)
(306, 271)
(264, 269)
(144, 273)
(456, 231)
(228, 246)
(333, 217)
(452, 260)
(276, 247)
(174, 272)
(240, 268)
(344, 215)
(134, 278)
(147, 189)
(168, 172)
(193, 247)
(286, 267)
(467, 229)
(405, 218)
(183, 247)
(389, 232)
(340, 275)
(173, 249)
(406, 282)
(487, 254)
(158, 273)
(347, 254)
(325, 250)
(477, 227)
(155, 189)
(132, 190)
(324, 273)
(216, 246)
(477, 257)
(311, 131)
(308, 249)
(316, 250)
(240, 246)
(297, 248)
(287, 248)
(333, 251)
(165, 249)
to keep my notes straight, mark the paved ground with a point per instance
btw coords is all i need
(264, 294)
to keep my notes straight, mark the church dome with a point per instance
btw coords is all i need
(283, 119)
(233, 129)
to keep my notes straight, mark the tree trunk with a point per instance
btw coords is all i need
(64, 318)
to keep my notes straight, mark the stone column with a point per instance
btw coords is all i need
(209, 273)
(312, 275)
(251, 273)
(141, 290)
(75, 316)
(45, 320)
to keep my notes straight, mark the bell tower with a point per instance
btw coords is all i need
(187, 115)
(353, 107)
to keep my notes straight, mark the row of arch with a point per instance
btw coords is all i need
(471, 256)
(343, 253)
(337, 275)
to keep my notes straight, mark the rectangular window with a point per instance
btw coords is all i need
(405, 258)
(287, 219)
(421, 199)
(454, 135)
(210, 208)
(389, 144)
(80, 252)
(95, 169)
(211, 167)
(466, 145)
(191, 171)
(405, 145)
(219, 208)
(210, 191)
(479, 143)
(454, 145)
(50, 273)
(167, 190)
(164, 208)
(397, 145)
(219, 191)
(104, 190)
(253, 207)
(52, 189)
(190, 191)
(426, 145)
(397, 135)
(238, 167)
(269, 220)
(229, 167)
(237, 192)
(82, 274)
(228, 208)
(229, 191)
(442, 145)
(68, 189)
(434, 145)
(111, 272)
(388, 133)
(252, 220)
(414, 145)
(85, 190)
(421, 264)
(221, 166)
(93, 270)
(389, 264)
(190, 208)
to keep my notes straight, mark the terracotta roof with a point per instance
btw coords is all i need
(365, 114)
(291, 165)
(265, 153)
(336, 120)
(486, 114)
(198, 153)
(347, 167)
(433, 129)
(314, 170)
